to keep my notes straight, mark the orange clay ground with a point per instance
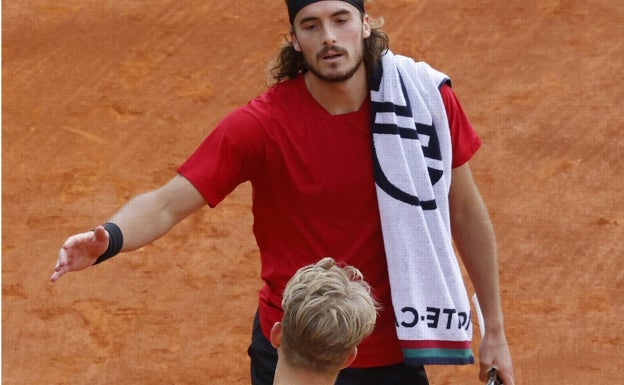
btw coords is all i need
(102, 100)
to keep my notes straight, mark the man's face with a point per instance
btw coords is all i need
(330, 36)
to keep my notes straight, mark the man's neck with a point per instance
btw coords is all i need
(340, 97)
(287, 375)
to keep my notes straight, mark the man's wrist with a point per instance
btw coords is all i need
(115, 242)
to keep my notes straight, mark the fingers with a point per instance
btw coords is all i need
(61, 266)
(62, 263)
(492, 376)
(57, 275)
(483, 372)
(78, 251)
(58, 272)
(507, 377)
(505, 374)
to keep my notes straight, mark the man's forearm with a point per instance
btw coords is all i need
(475, 240)
(476, 243)
(149, 216)
(142, 220)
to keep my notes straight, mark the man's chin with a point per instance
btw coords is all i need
(337, 78)
(334, 76)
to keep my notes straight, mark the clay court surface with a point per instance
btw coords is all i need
(101, 100)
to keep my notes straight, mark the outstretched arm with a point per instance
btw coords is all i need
(474, 237)
(142, 220)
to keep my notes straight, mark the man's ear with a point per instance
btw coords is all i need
(276, 335)
(350, 358)
(366, 28)
(295, 42)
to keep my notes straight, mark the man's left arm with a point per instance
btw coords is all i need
(474, 238)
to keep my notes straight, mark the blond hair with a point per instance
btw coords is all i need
(328, 311)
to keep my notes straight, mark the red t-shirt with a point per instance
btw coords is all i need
(313, 193)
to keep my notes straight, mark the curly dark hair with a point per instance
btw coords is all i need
(290, 63)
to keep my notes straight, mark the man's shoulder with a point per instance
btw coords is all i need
(277, 94)
(422, 69)
(277, 100)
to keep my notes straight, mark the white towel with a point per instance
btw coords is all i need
(412, 159)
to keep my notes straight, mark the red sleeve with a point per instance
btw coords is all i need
(227, 157)
(464, 139)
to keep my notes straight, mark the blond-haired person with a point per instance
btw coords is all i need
(328, 311)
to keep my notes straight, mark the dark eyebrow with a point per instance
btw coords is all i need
(340, 12)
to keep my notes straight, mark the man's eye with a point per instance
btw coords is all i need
(309, 27)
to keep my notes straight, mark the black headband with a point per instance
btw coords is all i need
(294, 6)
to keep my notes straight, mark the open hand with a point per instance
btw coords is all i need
(80, 251)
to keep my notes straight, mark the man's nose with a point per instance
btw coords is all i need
(329, 36)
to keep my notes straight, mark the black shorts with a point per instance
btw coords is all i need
(264, 360)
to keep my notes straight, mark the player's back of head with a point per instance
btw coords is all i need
(328, 311)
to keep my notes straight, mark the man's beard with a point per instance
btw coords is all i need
(336, 77)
